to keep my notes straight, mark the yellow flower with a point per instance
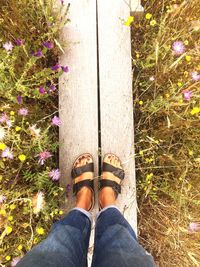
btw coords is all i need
(141, 152)
(137, 55)
(179, 84)
(40, 231)
(141, 102)
(22, 157)
(153, 22)
(186, 42)
(20, 247)
(10, 218)
(188, 58)
(60, 212)
(129, 21)
(2, 146)
(12, 113)
(148, 16)
(3, 212)
(195, 110)
(8, 258)
(191, 152)
(12, 206)
(8, 230)
(17, 128)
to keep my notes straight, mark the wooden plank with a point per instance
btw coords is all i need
(78, 89)
(116, 100)
(135, 5)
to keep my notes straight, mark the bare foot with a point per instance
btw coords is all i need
(84, 196)
(107, 195)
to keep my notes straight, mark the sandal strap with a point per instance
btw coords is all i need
(88, 183)
(116, 171)
(79, 170)
(114, 185)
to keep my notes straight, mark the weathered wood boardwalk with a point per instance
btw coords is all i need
(96, 103)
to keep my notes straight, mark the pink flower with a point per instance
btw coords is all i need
(23, 111)
(6, 153)
(15, 261)
(56, 121)
(178, 47)
(187, 95)
(3, 118)
(43, 156)
(54, 174)
(8, 46)
(193, 227)
(42, 90)
(195, 76)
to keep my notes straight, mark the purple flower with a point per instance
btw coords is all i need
(15, 261)
(62, 2)
(193, 227)
(4, 118)
(19, 42)
(19, 99)
(48, 45)
(68, 189)
(54, 174)
(2, 198)
(23, 111)
(187, 95)
(65, 69)
(8, 46)
(52, 88)
(195, 76)
(178, 47)
(56, 67)
(43, 156)
(6, 153)
(42, 90)
(38, 53)
(56, 121)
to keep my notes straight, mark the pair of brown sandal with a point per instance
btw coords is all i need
(89, 167)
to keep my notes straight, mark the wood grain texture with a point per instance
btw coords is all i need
(115, 70)
(78, 89)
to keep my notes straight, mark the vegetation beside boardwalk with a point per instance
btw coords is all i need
(166, 59)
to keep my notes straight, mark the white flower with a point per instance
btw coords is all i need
(8, 46)
(2, 133)
(38, 202)
(35, 131)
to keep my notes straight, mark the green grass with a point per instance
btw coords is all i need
(167, 130)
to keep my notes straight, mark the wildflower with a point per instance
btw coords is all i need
(191, 152)
(15, 261)
(56, 121)
(23, 111)
(10, 218)
(48, 44)
(141, 152)
(9, 230)
(195, 110)
(38, 53)
(188, 58)
(20, 247)
(52, 88)
(7, 153)
(54, 174)
(55, 67)
(43, 156)
(2, 146)
(40, 231)
(8, 258)
(195, 76)
(178, 47)
(60, 212)
(2, 198)
(8, 46)
(141, 102)
(193, 227)
(34, 131)
(129, 21)
(2, 133)
(38, 202)
(62, 2)
(42, 90)
(22, 157)
(19, 99)
(17, 128)
(3, 118)
(12, 113)
(153, 22)
(179, 84)
(151, 79)
(65, 69)
(187, 95)
(148, 16)
(19, 42)
(12, 206)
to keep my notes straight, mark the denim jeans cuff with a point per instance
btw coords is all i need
(104, 209)
(87, 213)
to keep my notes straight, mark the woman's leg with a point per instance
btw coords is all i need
(66, 244)
(116, 244)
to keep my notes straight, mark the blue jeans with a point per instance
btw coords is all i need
(67, 244)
